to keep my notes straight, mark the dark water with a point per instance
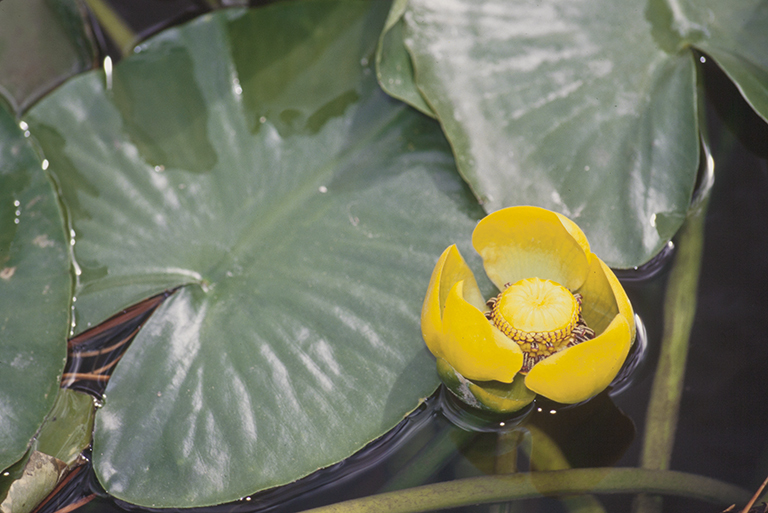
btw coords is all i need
(723, 425)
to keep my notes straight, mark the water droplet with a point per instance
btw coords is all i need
(16, 203)
(586, 168)
(236, 87)
(552, 412)
(262, 119)
(323, 189)
(702, 59)
(653, 220)
(23, 125)
(364, 61)
(159, 169)
(26, 133)
(18, 212)
(74, 299)
(16, 221)
(108, 72)
(44, 164)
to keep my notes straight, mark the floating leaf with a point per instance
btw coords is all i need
(250, 158)
(585, 108)
(34, 292)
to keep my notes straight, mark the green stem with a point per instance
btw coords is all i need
(115, 27)
(432, 458)
(679, 313)
(490, 489)
(546, 455)
(507, 443)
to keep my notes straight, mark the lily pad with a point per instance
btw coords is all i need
(35, 290)
(585, 108)
(251, 158)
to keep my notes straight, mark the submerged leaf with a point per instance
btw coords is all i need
(41, 473)
(300, 209)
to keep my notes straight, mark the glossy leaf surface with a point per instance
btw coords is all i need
(42, 43)
(585, 108)
(251, 158)
(736, 36)
(34, 292)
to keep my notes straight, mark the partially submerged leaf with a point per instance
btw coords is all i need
(68, 428)
(585, 108)
(300, 209)
(39, 478)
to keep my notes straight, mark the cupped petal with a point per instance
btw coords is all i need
(474, 346)
(529, 242)
(503, 397)
(491, 396)
(575, 232)
(449, 270)
(625, 307)
(584, 370)
(599, 305)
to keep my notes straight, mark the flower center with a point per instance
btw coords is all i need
(542, 316)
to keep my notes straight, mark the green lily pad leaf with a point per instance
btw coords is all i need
(587, 109)
(394, 68)
(300, 208)
(42, 43)
(736, 36)
(35, 291)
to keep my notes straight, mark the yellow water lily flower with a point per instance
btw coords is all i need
(561, 326)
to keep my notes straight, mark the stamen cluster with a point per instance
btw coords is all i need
(537, 345)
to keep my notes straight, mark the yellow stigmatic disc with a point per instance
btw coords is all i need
(540, 315)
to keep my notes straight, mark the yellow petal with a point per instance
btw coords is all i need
(599, 305)
(503, 398)
(474, 346)
(528, 242)
(491, 396)
(575, 232)
(625, 307)
(449, 270)
(584, 370)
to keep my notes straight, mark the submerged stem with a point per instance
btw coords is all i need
(523, 485)
(114, 25)
(679, 313)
